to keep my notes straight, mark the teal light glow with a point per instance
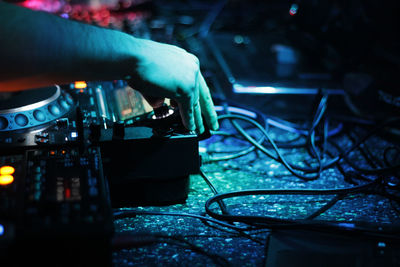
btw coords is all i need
(238, 110)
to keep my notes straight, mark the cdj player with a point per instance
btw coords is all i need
(70, 153)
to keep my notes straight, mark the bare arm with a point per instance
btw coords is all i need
(39, 49)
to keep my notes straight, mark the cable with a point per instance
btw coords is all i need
(246, 111)
(125, 240)
(281, 144)
(291, 167)
(281, 124)
(371, 160)
(234, 108)
(277, 223)
(208, 182)
(228, 157)
(239, 230)
(132, 213)
(279, 157)
(238, 154)
(262, 219)
(238, 233)
(311, 134)
(326, 136)
(324, 208)
(383, 170)
(218, 197)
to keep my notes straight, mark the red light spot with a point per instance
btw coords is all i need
(67, 193)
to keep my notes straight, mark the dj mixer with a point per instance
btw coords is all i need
(65, 150)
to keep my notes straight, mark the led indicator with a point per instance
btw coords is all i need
(7, 170)
(52, 152)
(6, 179)
(67, 193)
(293, 9)
(1, 230)
(80, 85)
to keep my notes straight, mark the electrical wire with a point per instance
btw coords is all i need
(128, 240)
(284, 125)
(371, 160)
(222, 205)
(324, 208)
(319, 113)
(291, 167)
(132, 213)
(280, 123)
(254, 113)
(277, 223)
(239, 230)
(279, 156)
(237, 233)
(311, 134)
(238, 154)
(382, 170)
(281, 144)
(214, 190)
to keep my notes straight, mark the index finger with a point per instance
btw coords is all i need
(207, 105)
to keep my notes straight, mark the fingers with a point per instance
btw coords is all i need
(186, 111)
(207, 105)
(198, 119)
(198, 103)
(197, 108)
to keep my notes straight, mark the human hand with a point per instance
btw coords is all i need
(167, 71)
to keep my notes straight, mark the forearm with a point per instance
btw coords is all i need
(39, 49)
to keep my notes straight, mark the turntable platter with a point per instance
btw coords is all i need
(27, 97)
(32, 108)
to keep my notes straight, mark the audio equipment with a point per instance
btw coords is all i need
(65, 150)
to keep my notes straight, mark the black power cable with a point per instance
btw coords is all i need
(133, 240)
(241, 231)
(132, 213)
(214, 190)
(277, 223)
(292, 168)
(279, 156)
(311, 134)
(383, 170)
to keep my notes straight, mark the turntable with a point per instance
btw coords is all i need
(32, 108)
(134, 142)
